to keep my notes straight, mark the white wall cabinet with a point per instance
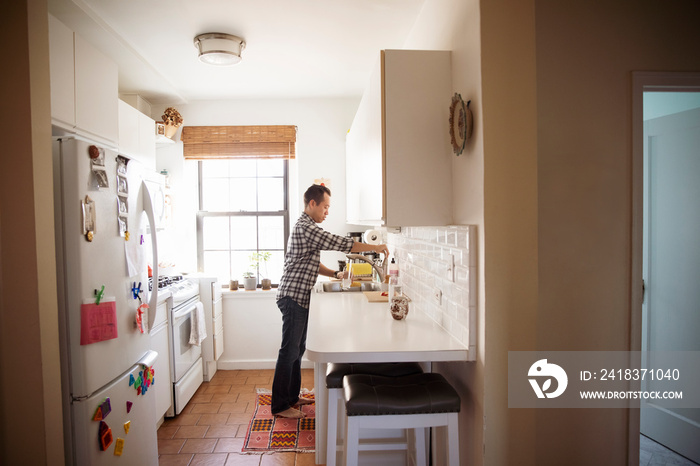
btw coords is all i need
(398, 156)
(62, 73)
(137, 135)
(84, 86)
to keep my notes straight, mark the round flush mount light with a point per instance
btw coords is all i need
(219, 49)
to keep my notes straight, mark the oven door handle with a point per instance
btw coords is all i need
(184, 312)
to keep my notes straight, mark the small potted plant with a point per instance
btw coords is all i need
(172, 121)
(249, 281)
(255, 260)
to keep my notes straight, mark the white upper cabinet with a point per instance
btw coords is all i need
(147, 138)
(128, 129)
(62, 74)
(398, 155)
(84, 86)
(137, 135)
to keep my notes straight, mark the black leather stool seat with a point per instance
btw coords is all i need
(336, 371)
(372, 395)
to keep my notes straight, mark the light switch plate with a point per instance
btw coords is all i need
(451, 268)
(437, 296)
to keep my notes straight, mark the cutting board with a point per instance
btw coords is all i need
(376, 297)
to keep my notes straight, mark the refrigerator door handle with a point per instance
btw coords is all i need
(148, 208)
(149, 358)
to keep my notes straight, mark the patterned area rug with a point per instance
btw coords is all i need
(269, 433)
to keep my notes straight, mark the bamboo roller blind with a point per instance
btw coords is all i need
(223, 142)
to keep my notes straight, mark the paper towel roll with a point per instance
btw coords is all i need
(373, 237)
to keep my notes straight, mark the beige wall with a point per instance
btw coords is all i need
(586, 53)
(548, 180)
(30, 408)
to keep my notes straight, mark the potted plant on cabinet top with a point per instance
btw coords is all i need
(172, 121)
(256, 259)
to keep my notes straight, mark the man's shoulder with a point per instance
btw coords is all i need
(304, 221)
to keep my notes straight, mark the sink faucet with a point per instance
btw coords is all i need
(381, 271)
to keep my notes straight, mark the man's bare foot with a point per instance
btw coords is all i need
(304, 401)
(291, 413)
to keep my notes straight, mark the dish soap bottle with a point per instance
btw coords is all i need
(394, 287)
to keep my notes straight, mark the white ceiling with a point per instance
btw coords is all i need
(294, 48)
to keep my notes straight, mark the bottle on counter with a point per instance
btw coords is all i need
(394, 284)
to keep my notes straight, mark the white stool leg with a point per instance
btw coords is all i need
(332, 436)
(453, 438)
(419, 434)
(352, 440)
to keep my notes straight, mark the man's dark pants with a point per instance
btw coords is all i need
(287, 381)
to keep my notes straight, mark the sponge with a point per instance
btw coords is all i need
(361, 269)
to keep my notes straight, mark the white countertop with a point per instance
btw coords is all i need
(345, 327)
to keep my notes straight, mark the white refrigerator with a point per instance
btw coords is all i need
(104, 244)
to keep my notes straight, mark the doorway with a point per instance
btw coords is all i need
(666, 203)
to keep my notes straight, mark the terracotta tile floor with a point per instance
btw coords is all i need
(211, 428)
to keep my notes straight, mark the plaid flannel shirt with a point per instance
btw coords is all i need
(301, 264)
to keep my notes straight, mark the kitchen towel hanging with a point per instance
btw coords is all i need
(198, 330)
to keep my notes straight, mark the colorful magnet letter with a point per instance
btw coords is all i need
(105, 436)
(98, 414)
(106, 408)
(126, 236)
(119, 447)
(127, 425)
(129, 404)
(131, 379)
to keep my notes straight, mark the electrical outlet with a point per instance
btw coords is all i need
(437, 296)
(451, 268)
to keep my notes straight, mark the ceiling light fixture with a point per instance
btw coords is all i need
(219, 49)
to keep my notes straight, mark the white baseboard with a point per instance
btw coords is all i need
(252, 364)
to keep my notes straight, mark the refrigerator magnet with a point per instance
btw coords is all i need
(129, 404)
(87, 207)
(119, 447)
(127, 426)
(123, 224)
(102, 410)
(105, 436)
(97, 165)
(122, 206)
(122, 186)
(121, 165)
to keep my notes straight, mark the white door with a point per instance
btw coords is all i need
(671, 271)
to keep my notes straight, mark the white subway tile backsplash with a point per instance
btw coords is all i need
(423, 254)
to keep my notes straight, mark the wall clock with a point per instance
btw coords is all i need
(461, 123)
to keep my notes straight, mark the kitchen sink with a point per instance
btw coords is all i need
(334, 287)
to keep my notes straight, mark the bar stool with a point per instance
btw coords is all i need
(334, 383)
(413, 401)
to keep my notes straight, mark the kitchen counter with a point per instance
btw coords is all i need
(345, 327)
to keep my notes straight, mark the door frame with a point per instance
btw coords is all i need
(644, 81)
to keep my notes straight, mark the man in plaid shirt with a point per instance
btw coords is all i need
(302, 267)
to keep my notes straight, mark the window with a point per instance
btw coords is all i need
(243, 210)
(243, 205)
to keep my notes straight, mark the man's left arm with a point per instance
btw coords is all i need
(326, 272)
